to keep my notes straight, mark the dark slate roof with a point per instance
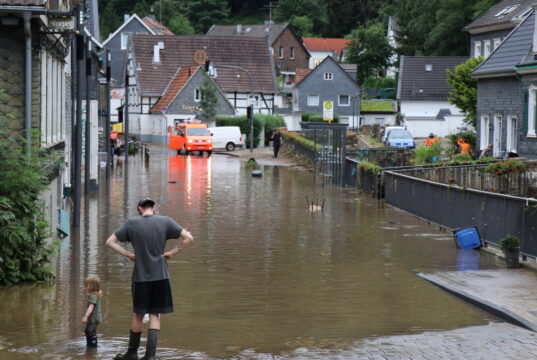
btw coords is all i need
(250, 53)
(272, 31)
(23, 2)
(513, 51)
(494, 18)
(417, 84)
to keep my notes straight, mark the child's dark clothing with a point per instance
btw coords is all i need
(93, 320)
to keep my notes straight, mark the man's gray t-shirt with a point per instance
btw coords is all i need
(148, 235)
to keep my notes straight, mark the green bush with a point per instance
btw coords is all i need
(509, 242)
(461, 159)
(424, 154)
(24, 251)
(369, 167)
(315, 117)
(268, 122)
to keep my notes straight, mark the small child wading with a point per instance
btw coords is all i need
(92, 317)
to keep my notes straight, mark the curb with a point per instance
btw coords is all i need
(482, 304)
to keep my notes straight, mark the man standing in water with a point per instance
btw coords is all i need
(151, 291)
(276, 141)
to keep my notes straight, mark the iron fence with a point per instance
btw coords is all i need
(389, 157)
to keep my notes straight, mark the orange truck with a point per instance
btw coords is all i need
(189, 137)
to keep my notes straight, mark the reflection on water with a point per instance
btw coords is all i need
(264, 276)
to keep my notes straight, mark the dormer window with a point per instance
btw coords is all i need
(328, 76)
(429, 67)
(507, 10)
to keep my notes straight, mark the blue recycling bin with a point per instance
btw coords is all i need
(467, 238)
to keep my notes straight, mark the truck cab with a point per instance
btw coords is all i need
(189, 137)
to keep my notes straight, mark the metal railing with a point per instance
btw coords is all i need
(383, 157)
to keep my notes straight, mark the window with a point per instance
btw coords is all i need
(497, 145)
(511, 143)
(197, 95)
(328, 76)
(280, 52)
(532, 102)
(486, 51)
(496, 43)
(428, 67)
(124, 40)
(292, 53)
(344, 100)
(484, 131)
(313, 100)
(477, 49)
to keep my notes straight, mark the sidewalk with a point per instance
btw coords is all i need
(263, 156)
(508, 293)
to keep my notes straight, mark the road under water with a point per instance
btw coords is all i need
(265, 277)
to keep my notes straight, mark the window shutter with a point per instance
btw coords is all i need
(525, 120)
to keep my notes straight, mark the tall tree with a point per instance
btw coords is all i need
(180, 25)
(369, 50)
(313, 9)
(414, 18)
(205, 13)
(464, 89)
(302, 25)
(209, 100)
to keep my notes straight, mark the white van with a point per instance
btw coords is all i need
(226, 137)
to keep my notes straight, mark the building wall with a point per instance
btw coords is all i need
(287, 40)
(420, 118)
(118, 54)
(489, 37)
(328, 90)
(318, 56)
(185, 102)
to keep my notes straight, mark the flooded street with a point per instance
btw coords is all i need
(264, 277)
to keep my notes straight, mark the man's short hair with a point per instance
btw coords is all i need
(146, 203)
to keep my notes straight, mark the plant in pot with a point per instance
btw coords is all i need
(511, 249)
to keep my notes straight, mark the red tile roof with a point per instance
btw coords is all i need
(174, 87)
(326, 44)
(249, 53)
(23, 2)
(301, 73)
(157, 27)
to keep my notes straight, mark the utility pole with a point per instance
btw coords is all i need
(250, 115)
(107, 121)
(78, 127)
(270, 6)
(87, 152)
(126, 115)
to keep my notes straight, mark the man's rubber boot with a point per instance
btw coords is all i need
(132, 351)
(151, 347)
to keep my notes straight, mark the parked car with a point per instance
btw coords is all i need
(390, 128)
(400, 138)
(226, 137)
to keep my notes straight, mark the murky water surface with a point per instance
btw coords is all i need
(265, 277)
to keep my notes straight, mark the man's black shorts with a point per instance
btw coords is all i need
(152, 297)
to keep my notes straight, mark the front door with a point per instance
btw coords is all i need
(511, 143)
(497, 135)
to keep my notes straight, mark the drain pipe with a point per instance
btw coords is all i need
(28, 83)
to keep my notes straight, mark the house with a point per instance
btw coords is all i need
(507, 93)
(320, 48)
(382, 112)
(157, 27)
(488, 31)
(181, 101)
(241, 67)
(422, 91)
(328, 82)
(35, 77)
(288, 52)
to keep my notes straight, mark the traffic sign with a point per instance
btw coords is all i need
(328, 111)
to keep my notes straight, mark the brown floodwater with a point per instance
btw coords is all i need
(265, 278)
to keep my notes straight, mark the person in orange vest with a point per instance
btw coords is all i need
(464, 146)
(431, 140)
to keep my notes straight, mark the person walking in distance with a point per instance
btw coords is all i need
(151, 291)
(276, 141)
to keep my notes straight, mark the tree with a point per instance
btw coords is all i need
(481, 6)
(209, 100)
(414, 20)
(302, 25)
(369, 50)
(315, 10)
(180, 25)
(464, 89)
(205, 13)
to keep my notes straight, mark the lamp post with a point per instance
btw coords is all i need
(249, 95)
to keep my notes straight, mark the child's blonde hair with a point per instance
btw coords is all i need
(93, 285)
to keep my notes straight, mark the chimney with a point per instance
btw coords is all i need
(239, 28)
(126, 18)
(156, 54)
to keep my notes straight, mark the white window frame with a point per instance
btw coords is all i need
(124, 40)
(477, 49)
(486, 48)
(312, 103)
(532, 102)
(484, 131)
(511, 141)
(342, 104)
(292, 53)
(280, 52)
(496, 43)
(497, 135)
(197, 95)
(328, 76)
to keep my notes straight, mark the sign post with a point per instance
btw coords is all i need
(328, 111)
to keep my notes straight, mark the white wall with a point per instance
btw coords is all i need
(381, 119)
(420, 118)
(318, 56)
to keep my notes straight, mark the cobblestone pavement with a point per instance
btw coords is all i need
(496, 341)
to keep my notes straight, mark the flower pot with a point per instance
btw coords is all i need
(512, 258)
